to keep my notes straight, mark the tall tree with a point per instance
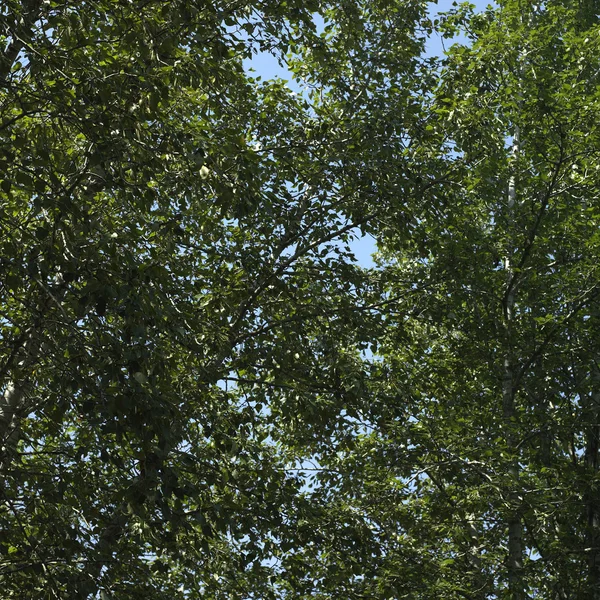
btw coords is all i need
(204, 396)
(473, 473)
(470, 452)
(172, 239)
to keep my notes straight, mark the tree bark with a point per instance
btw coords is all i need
(12, 401)
(592, 508)
(515, 527)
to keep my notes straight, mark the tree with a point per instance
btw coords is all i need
(204, 396)
(172, 236)
(472, 473)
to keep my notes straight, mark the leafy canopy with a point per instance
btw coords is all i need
(204, 395)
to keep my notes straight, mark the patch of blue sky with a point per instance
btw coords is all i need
(267, 66)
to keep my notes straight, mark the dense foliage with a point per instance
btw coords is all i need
(205, 395)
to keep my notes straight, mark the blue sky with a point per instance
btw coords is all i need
(267, 67)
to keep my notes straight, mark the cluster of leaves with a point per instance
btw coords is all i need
(204, 395)
(173, 242)
(475, 472)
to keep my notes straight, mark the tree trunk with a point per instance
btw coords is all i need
(592, 508)
(13, 400)
(515, 527)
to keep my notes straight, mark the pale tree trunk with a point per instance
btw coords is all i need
(592, 508)
(13, 401)
(515, 527)
(18, 371)
(17, 27)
